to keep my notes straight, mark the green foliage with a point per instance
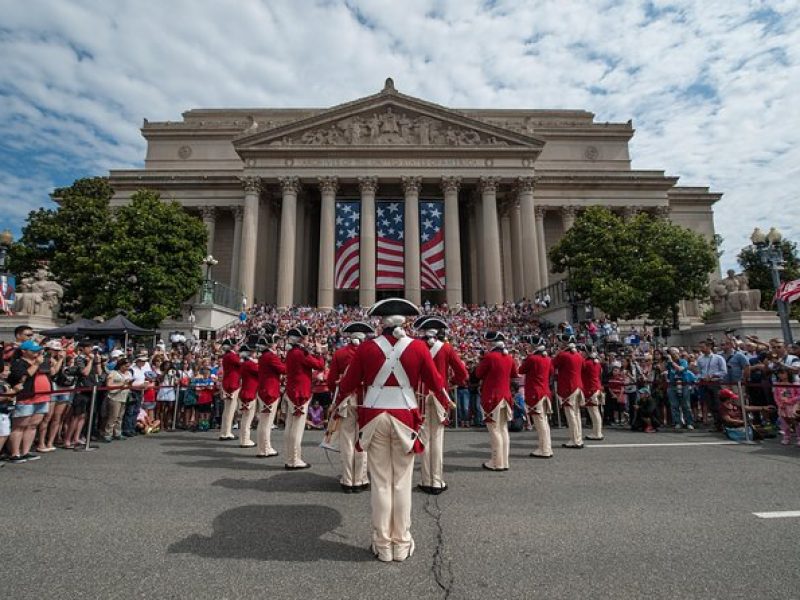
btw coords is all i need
(144, 257)
(759, 275)
(631, 268)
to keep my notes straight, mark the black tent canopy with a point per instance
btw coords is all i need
(116, 326)
(69, 330)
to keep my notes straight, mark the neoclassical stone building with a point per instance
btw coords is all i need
(267, 184)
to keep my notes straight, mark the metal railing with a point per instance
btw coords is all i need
(220, 294)
(558, 293)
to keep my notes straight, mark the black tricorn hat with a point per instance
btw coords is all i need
(394, 306)
(430, 323)
(267, 329)
(533, 340)
(566, 338)
(358, 327)
(419, 321)
(228, 342)
(244, 348)
(494, 336)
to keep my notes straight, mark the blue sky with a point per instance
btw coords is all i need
(712, 87)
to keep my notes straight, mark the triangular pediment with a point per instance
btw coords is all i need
(387, 120)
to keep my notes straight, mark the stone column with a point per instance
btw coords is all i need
(452, 242)
(568, 217)
(290, 187)
(530, 248)
(413, 287)
(541, 243)
(366, 292)
(327, 240)
(238, 215)
(493, 275)
(247, 251)
(506, 251)
(209, 214)
(518, 275)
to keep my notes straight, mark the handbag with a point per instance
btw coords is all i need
(190, 399)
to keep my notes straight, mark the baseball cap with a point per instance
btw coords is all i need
(117, 353)
(30, 346)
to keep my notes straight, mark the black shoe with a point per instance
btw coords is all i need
(29, 457)
(425, 488)
(572, 446)
(17, 460)
(300, 468)
(438, 490)
(363, 487)
(106, 440)
(348, 489)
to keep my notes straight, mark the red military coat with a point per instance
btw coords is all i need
(249, 372)
(270, 369)
(538, 370)
(590, 377)
(419, 368)
(568, 365)
(231, 376)
(299, 366)
(448, 362)
(339, 362)
(496, 370)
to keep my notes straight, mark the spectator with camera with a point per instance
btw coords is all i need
(713, 373)
(53, 364)
(679, 379)
(32, 387)
(88, 369)
(119, 380)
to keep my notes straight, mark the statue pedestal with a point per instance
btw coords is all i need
(762, 323)
(36, 322)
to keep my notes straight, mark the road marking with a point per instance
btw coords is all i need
(725, 443)
(778, 514)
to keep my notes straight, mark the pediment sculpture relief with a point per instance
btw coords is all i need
(390, 128)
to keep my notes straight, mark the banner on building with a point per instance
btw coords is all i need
(431, 244)
(390, 227)
(346, 270)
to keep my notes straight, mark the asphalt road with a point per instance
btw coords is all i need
(182, 515)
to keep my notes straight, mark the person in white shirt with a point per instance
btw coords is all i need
(713, 371)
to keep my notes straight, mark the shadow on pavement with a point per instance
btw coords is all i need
(289, 533)
(299, 482)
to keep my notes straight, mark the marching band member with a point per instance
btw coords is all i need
(593, 394)
(391, 367)
(231, 381)
(568, 364)
(345, 412)
(538, 371)
(435, 415)
(247, 394)
(299, 366)
(496, 370)
(270, 369)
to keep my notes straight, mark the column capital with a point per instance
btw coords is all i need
(208, 213)
(238, 212)
(328, 185)
(451, 184)
(569, 211)
(290, 184)
(368, 184)
(411, 184)
(488, 184)
(539, 211)
(251, 184)
(525, 184)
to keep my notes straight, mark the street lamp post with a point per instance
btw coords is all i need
(208, 286)
(768, 247)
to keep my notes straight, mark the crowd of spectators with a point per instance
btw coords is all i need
(61, 393)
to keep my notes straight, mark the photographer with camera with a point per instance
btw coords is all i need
(679, 379)
(32, 388)
(88, 368)
(53, 363)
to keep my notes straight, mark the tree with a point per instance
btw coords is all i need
(144, 257)
(627, 269)
(760, 278)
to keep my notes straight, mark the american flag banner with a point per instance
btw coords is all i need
(789, 291)
(390, 225)
(346, 269)
(431, 234)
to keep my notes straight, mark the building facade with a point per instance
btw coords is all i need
(499, 188)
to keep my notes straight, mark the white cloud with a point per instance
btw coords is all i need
(709, 86)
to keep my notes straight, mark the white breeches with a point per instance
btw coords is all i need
(293, 437)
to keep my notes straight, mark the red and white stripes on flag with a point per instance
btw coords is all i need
(390, 228)
(346, 269)
(789, 291)
(431, 233)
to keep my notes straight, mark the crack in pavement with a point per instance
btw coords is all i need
(441, 568)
